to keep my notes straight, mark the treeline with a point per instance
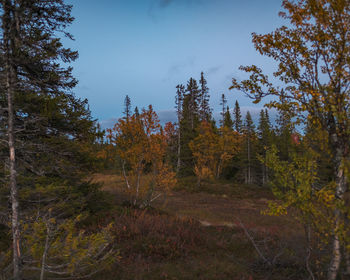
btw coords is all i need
(233, 149)
(49, 143)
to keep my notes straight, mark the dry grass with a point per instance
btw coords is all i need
(220, 207)
(195, 235)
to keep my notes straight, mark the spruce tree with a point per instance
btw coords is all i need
(223, 103)
(137, 112)
(237, 118)
(205, 111)
(284, 131)
(190, 119)
(180, 91)
(188, 125)
(127, 107)
(227, 119)
(249, 132)
(265, 139)
(192, 97)
(47, 129)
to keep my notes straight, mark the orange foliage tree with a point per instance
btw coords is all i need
(141, 144)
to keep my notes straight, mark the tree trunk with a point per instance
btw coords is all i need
(199, 181)
(347, 262)
(139, 170)
(263, 173)
(347, 244)
(178, 151)
(336, 255)
(10, 89)
(308, 250)
(218, 170)
(14, 192)
(266, 171)
(249, 171)
(13, 189)
(46, 249)
(340, 180)
(124, 175)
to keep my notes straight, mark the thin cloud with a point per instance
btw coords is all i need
(166, 116)
(156, 6)
(108, 123)
(170, 116)
(213, 70)
(177, 69)
(165, 3)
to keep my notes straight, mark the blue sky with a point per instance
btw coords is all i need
(144, 48)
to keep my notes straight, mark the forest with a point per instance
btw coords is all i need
(197, 198)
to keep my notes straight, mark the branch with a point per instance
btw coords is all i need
(254, 244)
(124, 175)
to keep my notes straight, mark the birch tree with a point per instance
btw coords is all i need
(313, 64)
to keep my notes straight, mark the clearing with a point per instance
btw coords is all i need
(212, 218)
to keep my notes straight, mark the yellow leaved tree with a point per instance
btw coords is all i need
(313, 67)
(213, 150)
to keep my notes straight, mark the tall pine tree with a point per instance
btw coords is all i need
(205, 111)
(237, 118)
(265, 139)
(192, 98)
(227, 119)
(223, 103)
(48, 130)
(180, 91)
(249, 134)
(127, 107)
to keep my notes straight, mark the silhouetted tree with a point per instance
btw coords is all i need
(223, 103)
(227, 119)
(127, 107)
(180, 91)
(249, 133)
(205, 111)
(237, 118)
(46, 128)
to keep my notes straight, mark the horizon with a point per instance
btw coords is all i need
(143, 49)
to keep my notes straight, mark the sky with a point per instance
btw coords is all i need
(144, 48)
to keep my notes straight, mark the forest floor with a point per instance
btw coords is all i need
(205, 233)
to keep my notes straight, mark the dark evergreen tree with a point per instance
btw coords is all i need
(237, 118)
(223, 103)
(284, 131)
(227, 119)
(127, 107)
(192, 98)
(265, 135)
(249, 134)
(136, 112)
(180, 91)
(205, 111)
(48, 131)
(188, 125)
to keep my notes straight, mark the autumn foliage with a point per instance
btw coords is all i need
(141, 145)
(212, 150)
